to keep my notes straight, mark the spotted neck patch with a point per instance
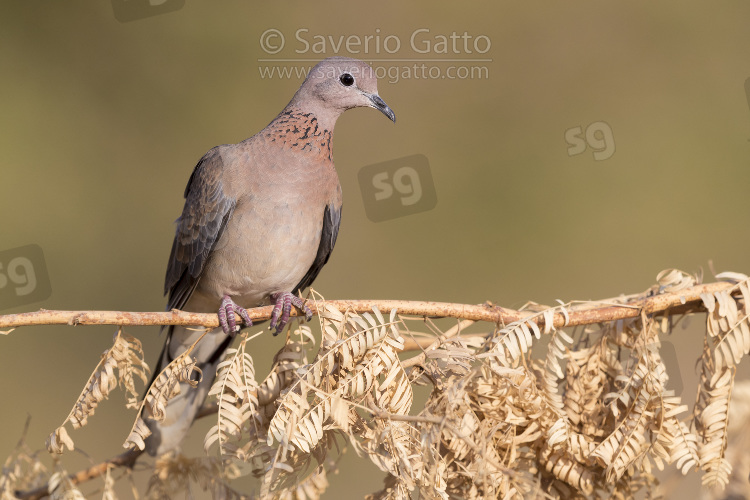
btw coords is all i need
(301, 132)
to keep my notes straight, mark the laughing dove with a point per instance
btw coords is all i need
(260, 221)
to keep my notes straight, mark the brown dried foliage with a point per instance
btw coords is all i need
(125, 356)
(589, 419)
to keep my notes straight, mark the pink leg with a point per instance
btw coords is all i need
(284, 302)
(226, 316)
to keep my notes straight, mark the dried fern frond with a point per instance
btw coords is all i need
(236, 390)
(556, 351)
(730, 329)
(125, 356)
(676, 444)
(626, 445)
(565, 468)
(283, 374)
(165, 387)
(737, 447)
(727, 340)
(643, 389)
(365, 347)
(59, 440)
(587, 382)
(254, 449)
(514, 340)
(713, 427)
(394, 393)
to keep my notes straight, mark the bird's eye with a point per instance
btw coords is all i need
(346, 80)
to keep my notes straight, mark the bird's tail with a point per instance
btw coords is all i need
(182, 409)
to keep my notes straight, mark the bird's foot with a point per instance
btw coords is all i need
(284, 302)
(226, 316)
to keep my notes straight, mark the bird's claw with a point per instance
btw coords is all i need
(284, 302)
(226, 316)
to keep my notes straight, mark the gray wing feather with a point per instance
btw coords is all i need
(331, 223)
(207, 210)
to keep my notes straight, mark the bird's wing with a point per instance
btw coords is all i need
(207, 210)
(331, 223)
(199, 228)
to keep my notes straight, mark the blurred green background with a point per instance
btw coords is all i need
(103, 121)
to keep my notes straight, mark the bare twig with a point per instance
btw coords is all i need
(587, 313)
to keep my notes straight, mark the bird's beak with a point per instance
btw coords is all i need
(381, 106)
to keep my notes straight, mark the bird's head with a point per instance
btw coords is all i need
(340, 83)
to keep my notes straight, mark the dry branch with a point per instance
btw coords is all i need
(589, 313)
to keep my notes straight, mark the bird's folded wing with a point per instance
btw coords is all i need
(331, 223)
(207, 210)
